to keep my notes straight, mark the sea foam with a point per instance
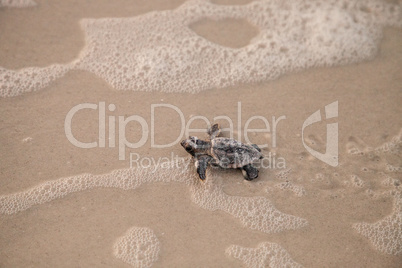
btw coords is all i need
(265, 255)
(138, 247)
(256, 213)
(17, 3)
(386, 234)
(158, 51)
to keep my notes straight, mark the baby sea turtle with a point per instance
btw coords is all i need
(223, 152)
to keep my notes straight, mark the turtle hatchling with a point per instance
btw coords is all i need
(223, 152)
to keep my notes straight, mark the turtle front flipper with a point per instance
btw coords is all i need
(256, 147)
(214, 131)
(250, 172)
(201, 163)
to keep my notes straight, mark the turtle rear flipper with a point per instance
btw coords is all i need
(250, 173)
(201, 163)
(214, 131)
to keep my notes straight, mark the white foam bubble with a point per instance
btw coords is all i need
(386, 234)
(357, 181)
(17, 3)
(158, 51)
(254, 212)
(265, 255)
(14, 83)
(393, 146)
(356, 146)
(298, 190)
(391, 168)
(284, 174)
(388, 181)
(321, 178)
(27, 139)
(139, 247)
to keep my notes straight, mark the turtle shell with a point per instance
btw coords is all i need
(229, 153)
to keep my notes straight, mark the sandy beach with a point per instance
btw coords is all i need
(308, 212)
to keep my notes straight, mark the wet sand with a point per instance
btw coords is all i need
(81, 228)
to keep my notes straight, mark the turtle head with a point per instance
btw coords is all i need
(193, 145)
